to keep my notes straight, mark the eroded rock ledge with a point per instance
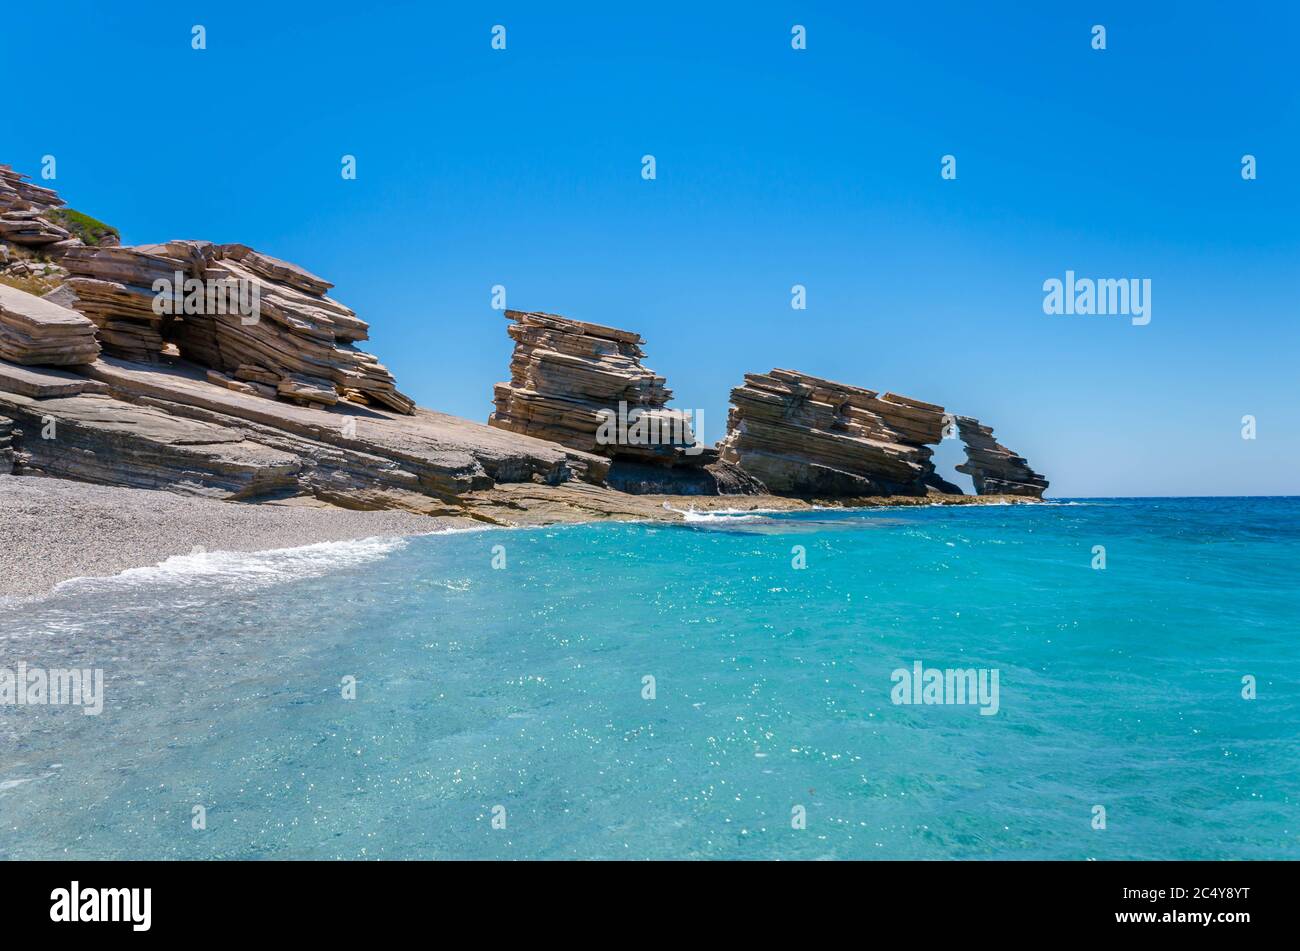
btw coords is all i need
(805, 436)
(298, 345)
(34, 217)
(802, 435)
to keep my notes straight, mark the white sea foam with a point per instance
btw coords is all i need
(242, 569)
(693, 514)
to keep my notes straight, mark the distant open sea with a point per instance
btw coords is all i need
(524, 688)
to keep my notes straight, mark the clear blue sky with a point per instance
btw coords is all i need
(775, 167)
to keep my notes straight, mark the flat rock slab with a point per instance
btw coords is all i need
(35, 330)
(94, 438)
(44, 382)
(456, 452)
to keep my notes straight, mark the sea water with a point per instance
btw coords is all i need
(724, 689)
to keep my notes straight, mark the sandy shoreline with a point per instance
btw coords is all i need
(59, 529)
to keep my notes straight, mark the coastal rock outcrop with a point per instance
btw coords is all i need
(36, 331)
(165, 425)
(254, 318)
(567, 375)
(234, 310)
(583, 385)
(224, 372)
(26, 212)
(217, 370)
(803, 435)
(995, 469)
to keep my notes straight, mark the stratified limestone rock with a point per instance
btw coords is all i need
(113, 287)
(565, 373)
(45, 382)
(308, 390)
(36, 331)
(284, 333)
(34, 218)
(161, 415)
(6, 446)
(99, 439)
(802, 435)
(994, 468)
(582, 385)
(23, 212)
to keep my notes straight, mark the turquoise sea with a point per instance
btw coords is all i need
(519, 694)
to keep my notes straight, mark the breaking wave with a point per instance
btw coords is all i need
(243, 569)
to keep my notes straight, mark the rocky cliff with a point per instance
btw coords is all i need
(264, 400)
(220, 371)
(264, 322)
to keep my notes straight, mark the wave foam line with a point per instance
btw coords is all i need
(244, 569)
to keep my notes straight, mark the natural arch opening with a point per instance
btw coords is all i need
(948, 455)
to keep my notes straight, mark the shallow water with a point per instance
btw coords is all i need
(522, 688)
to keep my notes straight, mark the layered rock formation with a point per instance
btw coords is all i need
(6, 446)
(994, 468)
(805, 436)
(164, 426)
(36, 331)
(567, 375)
(35, 218)
(265, 324)
(26, 213)
(225, 372)
(267, 399)
(36, 230)
(583, 385)
(802, 435)
(248, 315)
